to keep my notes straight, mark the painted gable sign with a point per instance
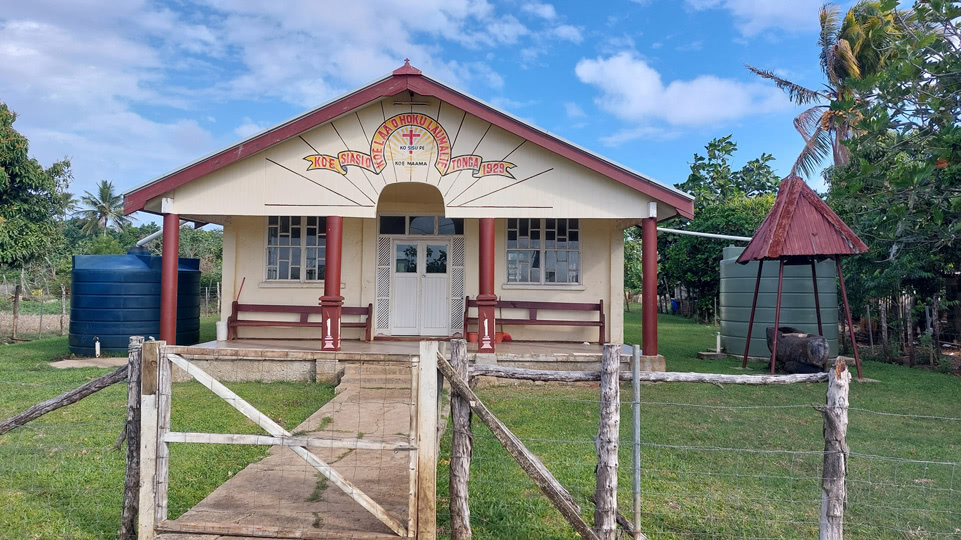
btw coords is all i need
(342, 166)
(409, 141)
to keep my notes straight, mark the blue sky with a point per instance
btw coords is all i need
(132, 89)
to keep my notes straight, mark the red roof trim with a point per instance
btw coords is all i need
(406, 77)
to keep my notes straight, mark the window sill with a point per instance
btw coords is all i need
(544, 286)
(291, 284)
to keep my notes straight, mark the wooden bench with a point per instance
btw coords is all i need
(234, 322)
(532, 319)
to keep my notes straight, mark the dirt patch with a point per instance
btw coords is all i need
(102, 362)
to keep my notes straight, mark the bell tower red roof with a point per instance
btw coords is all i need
(800, 224)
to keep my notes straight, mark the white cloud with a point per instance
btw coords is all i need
(634, 92)
(117, 84)
(755, 16)
(542, 10)
(567, 32)
(692, 46)
(248, 127)
(574, 110)
(509, 104)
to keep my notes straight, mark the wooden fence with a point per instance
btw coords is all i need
(607, 517)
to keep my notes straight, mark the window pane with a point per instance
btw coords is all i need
(294, 272)
(311, 274)
(271, 236)
(272, 257)
(272, 220)
(295, 221)
(512, 223)
(272, 272)
(525, 227)
(511, 239)
(450, 225)
(311, 221)
(422, 225)
(284, 270)
(405, 258)
(284, 224)
(572, 239)
(392, 224)
(436, 258)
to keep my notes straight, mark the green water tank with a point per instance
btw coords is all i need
(797, 302)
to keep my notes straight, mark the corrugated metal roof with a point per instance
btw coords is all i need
(801, 224)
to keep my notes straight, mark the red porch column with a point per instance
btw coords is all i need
(649, 285)
(332, 301)
(486, 299)
(168, 278)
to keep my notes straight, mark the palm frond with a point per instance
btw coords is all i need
(830, 22)
(846, 59)
(817, 145)
(796, 93)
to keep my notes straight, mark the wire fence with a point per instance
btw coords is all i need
(717, 463)
(44, 308)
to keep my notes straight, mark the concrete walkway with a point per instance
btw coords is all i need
(372, 403)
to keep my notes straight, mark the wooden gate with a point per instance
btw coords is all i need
(421, 445)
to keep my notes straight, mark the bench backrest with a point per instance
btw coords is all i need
(270, 308)
(529, 304)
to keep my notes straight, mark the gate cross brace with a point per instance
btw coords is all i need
(275, 429)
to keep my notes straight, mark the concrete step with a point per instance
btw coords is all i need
(379, 370)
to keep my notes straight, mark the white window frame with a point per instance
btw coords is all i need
(542, 250)
(303, 252)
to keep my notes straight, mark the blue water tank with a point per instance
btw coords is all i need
(114, 297)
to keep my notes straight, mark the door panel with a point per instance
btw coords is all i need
(435, 308)
(404, 304)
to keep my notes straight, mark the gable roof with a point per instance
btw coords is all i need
(801, 224)
(411, 79)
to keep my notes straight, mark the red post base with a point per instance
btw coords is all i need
(330, 317)
(485, 323)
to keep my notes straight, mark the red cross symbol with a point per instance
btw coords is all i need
(410, 136)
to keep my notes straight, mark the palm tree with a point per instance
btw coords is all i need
(102, 209)
(852, 48)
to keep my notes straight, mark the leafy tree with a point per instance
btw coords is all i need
(103, 245)
(901, 191)
(729, 201)
(853, 48)
(712, 180)
(693, 261)
(30, 197)
(102, 209)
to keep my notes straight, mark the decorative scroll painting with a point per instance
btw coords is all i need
(409, 141)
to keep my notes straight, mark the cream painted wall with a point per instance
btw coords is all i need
(248, 235)
(541, 183)
(601, 270)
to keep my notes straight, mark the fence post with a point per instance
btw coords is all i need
(128, 520)
(148, 440)
(636, 384)
(462, 444)
(164, 377)
(833, 491)
(608, 433)
(426, 442)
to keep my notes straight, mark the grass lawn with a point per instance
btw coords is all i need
(714, 460)
(60, 477)
(699, 480)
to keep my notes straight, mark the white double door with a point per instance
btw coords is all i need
(420, 303)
